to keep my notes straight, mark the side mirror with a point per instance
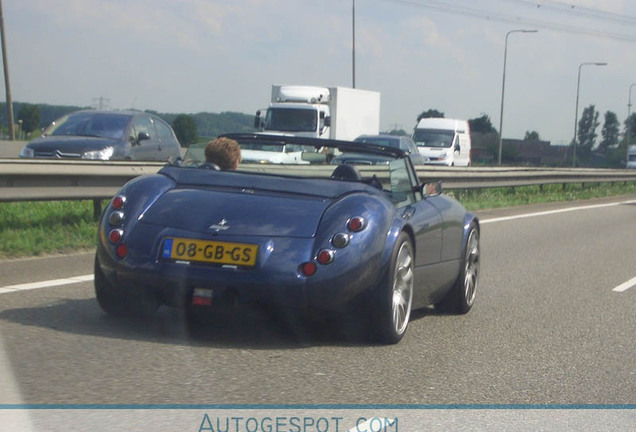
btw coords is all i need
(327, 121)
(142, 136)
(259, 119)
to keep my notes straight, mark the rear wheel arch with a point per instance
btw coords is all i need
(123, 301)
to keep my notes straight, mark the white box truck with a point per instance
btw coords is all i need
(320, 112)
(443, 141)
(631, 157)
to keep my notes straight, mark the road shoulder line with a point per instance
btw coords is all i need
(46, 284)
(625, 286)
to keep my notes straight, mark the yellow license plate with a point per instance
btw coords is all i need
(184, 249)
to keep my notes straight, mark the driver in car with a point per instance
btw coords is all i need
(223, 152)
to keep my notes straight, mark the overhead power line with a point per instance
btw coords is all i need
(456, 9)
(575, 10)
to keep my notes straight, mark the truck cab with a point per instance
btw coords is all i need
(296, 110)
(340, 113)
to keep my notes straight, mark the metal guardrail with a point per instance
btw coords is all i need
(39, 180)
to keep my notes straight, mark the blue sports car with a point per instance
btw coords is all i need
(328, 239)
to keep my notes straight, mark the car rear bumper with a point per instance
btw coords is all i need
(174, 284)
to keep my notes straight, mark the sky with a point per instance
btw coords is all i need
(190, 56)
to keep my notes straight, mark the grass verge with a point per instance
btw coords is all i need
(39, 228)
(481, 199)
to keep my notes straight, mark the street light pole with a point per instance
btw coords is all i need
(353, 44)
(576, 109)
(503, 87)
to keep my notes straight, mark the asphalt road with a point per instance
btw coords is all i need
(547, 328)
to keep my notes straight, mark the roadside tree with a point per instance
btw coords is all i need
(185, 128)
(610, 132)
(617, 156)
(532, 136)
(30, 116)
(586, 133)
(629, 131)
(484, 136)
(431, 113)
(481, 124)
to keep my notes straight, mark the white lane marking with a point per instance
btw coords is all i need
(46, 284)
(625, 286)
(551, 212)
(84, 278)
(622, 287)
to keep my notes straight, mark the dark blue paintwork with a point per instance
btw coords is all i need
(290, 219)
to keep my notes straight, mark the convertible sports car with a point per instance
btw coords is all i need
(192, 236)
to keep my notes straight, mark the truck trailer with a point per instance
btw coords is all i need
(320, 112)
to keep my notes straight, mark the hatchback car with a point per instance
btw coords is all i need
(106, 135)
(404, 143)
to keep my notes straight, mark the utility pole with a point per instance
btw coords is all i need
(353, 44)
(6, 76)
(503, 87)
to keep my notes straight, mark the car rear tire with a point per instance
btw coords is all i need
(395, 296)
(133, 303)
(461, 297)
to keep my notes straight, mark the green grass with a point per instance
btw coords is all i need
(508, 197)
(39, 228)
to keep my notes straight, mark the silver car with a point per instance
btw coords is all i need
(106, 135)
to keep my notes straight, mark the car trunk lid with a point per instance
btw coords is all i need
(237, 212)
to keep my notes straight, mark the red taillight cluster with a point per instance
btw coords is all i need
(356, 224)
(308, 268)
(325, 256)
(115, 219)
(118, 202)
(115, 235)
(339, 240)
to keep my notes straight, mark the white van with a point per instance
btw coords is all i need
(631, 157)
(443, 141)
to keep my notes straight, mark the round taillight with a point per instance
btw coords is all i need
(356, 224)
(308, 268)
(118, 202)
(116, 218)
(122, 250)
(325, 256)
(340, 240)
(114, 236)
